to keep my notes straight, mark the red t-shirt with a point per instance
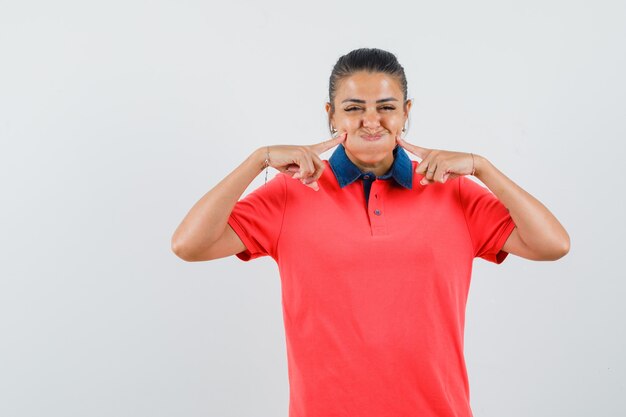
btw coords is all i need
(374, 297)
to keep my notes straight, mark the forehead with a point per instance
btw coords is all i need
(368, 86)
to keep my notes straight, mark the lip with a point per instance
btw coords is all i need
(372, 137)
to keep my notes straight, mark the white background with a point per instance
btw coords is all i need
(117, 116)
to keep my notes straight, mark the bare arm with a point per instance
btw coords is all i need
(538, 234)
(204, 233)
(207, 221)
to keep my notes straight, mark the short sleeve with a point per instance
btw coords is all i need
(488, 220)
(257, 219)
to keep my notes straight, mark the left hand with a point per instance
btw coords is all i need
(438, 165)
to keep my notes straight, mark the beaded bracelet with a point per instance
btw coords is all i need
(267, 163)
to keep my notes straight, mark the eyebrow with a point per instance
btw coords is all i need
(382, 100)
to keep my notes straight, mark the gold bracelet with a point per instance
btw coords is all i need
(473, 169)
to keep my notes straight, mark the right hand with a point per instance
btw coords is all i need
(303, 161)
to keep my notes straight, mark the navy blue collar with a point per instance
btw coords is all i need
(346, 172)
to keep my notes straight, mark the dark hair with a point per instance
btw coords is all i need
(364, 59)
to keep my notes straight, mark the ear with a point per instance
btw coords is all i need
(327, 107)
(407, 107)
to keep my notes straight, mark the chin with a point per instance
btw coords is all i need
(375, 149)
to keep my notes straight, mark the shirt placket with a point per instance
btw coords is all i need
(376, 208)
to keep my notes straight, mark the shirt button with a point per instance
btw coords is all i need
(377, 212)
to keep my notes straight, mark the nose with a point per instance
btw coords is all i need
(371, 120)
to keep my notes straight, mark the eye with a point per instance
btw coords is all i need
(358, 108)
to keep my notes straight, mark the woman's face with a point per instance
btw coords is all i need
(369, 104)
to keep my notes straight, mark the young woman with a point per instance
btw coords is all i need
(374, 250)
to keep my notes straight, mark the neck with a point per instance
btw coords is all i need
(379, 167)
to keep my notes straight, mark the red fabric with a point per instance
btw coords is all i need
(374, 305)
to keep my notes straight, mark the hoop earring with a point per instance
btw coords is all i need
(403, 134)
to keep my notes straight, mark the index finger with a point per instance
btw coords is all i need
(322, 147)
(414, 149)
